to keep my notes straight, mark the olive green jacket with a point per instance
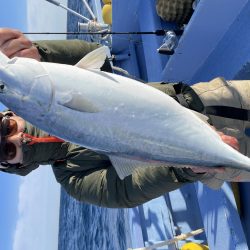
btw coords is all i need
(67, 51)
(89, 176)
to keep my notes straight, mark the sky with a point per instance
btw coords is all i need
(29, 215)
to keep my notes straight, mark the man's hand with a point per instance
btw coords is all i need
(14, 43)
(231, 141)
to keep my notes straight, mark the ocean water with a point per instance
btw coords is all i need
(83, 226)
(88, 227)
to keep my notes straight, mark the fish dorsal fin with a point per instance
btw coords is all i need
(76, 101)
(125, 167)
(93, 60)
(3, 59)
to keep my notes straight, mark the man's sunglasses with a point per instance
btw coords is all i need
(8, 127)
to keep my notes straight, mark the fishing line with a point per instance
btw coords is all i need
(157, 33)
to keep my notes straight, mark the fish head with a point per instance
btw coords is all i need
(25, 85)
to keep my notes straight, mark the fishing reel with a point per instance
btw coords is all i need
(93, 26)
(100, 28)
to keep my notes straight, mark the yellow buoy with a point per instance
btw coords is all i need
(107, 13)
(107, 1)
(194, 246)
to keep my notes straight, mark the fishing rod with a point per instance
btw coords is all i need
(89, 10)
(68, 9)
(157, 33)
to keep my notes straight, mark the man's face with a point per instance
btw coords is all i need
(16, 138)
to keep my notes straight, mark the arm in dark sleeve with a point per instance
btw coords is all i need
(175, 90)
(103, 187)
(91, 178)
(20, 170)
(67, 51)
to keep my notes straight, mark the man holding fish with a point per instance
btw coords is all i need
(89, 176)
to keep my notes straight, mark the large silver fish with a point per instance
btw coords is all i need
(134, 124)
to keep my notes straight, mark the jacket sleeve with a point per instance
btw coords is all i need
(90, 177)
(20, 170)
(102, 187)
(67, 51)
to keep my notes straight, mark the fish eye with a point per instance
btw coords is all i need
(2, 86)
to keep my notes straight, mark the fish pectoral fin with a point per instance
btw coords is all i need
(77, 102)
(125, 167)
(93, 60)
